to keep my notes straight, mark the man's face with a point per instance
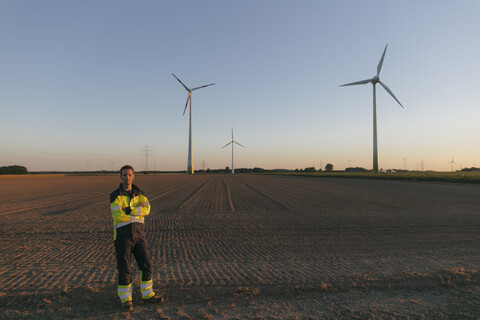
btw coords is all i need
(127, 177)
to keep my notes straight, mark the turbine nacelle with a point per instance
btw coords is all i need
(376, 79)
(190, 91)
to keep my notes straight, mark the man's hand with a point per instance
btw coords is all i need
(128, 210)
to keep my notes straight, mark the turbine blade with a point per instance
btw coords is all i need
(390, 91)
(186, 104)
(186, 88)
(226, 145)
(356, 83)
(239, 144)
(379, 67)
(211, 84)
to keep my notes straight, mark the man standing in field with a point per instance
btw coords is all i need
(129, 207)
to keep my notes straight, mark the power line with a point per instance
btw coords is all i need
(204, 163)
(146, 154)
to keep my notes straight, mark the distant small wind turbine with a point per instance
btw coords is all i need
(405, 163)
(190, 91)
(452, 162)
(374, 81)
(232, 143)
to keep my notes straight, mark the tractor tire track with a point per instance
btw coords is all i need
(67, 202)
(274, 203)
(229, 195)
(169, 191)
(186, 204)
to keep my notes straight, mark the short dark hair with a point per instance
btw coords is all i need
(126, 167)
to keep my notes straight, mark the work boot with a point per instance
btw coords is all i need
(127, 306)
(154, 299)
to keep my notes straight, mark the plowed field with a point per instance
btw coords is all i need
(245, 246)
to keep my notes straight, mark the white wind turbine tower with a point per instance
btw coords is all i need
(232, 143)
(404, 163)
(374, 81)
(190, 91)
(452, 162)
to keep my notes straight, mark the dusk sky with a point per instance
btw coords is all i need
(87, 85)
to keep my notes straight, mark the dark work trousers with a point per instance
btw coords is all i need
(124, 249)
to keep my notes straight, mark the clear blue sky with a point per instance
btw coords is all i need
(86, 85)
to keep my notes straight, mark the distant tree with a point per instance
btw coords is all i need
(227, 170)
(329, 167)
(356, 169)
(13, 170)
(310, 169)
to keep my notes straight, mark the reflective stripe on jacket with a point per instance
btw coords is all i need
(120, 200)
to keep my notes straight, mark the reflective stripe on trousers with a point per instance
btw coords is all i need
(125, 292)
(146, 287)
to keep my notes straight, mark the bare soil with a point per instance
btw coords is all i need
(245, 247)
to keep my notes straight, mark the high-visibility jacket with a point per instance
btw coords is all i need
(128, 212)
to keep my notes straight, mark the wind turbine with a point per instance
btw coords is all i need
(190, 91)
(232, 143)
(452, 162)
(374, 81)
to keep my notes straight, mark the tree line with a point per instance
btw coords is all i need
(13, 170)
